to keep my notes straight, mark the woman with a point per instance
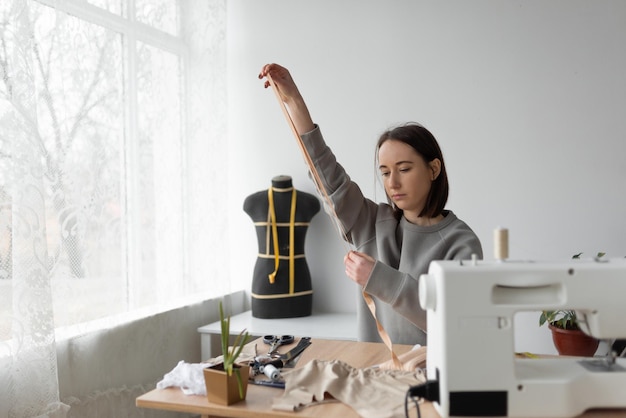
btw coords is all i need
(395, 241)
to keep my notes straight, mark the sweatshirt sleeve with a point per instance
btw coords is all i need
(399, 290)
(350, 205)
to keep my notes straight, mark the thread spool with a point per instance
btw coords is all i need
(270, 371)
(501, 243)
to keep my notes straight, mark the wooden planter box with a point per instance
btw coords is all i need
(223, 389)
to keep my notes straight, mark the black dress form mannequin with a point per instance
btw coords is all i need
(282, 291)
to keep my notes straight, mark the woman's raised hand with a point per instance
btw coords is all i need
(283, 80)
(290, 95)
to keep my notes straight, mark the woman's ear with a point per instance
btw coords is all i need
(435, 168)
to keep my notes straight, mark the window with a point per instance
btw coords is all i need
(109, 141)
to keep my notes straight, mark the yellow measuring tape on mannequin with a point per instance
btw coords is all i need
(292, 223)
(329, 204)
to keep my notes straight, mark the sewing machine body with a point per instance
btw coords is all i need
(471, 307)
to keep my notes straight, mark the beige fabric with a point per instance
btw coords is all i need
(248, 354)
(411, 360)
(371, 392)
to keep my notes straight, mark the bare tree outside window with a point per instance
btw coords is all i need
(113, 116)
(107, 126)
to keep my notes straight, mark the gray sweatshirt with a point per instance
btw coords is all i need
(403, 251)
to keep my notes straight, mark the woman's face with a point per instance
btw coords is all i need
(406, 176)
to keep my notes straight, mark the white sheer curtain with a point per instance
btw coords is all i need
(101, 176)
(33, 368)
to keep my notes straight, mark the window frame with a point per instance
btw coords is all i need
(133, 32)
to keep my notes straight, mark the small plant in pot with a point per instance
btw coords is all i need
(567, 336)
(227, 382)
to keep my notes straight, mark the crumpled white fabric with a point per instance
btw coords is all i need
(371, 392)
(189, 377)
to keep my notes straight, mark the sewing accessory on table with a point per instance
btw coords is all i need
(287, 358)
(290, 357)
(270, 364)
(274, 341)
(271, 383)
(271, 369)
(317, 181)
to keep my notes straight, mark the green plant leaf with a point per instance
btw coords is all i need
(565, 319)
(241, 340)
(239, 383)
(230, 354)
(225, 333)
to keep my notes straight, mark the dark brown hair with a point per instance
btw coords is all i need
(425, 144)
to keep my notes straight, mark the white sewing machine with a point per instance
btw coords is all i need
(470, 307)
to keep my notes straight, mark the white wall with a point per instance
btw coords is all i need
(527, 99)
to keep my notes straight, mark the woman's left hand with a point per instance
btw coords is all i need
(359, 266)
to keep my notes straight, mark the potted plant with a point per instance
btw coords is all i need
(227, 382)
(567, 336)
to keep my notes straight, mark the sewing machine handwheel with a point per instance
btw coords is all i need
(428, 292)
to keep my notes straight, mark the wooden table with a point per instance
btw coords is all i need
(258, 402)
